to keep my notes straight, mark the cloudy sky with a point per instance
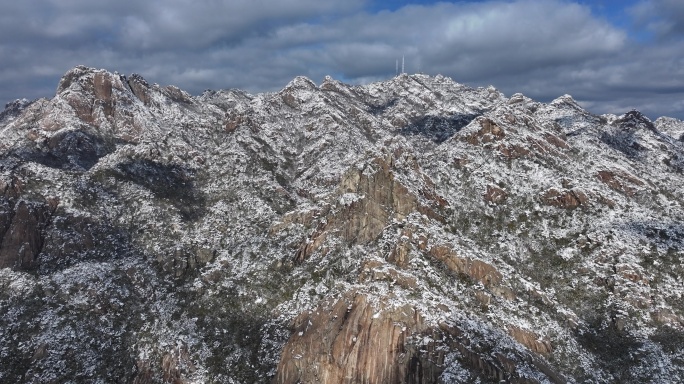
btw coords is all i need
(611, 55)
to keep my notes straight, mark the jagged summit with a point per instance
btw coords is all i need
(413, 230)
(671, 126)
(567, 100)
(633, 120)
(300, 82)
(13, 109)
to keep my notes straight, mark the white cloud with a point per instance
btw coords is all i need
(542, 48)
(664, 18)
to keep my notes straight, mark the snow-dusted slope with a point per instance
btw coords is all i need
(414, 230)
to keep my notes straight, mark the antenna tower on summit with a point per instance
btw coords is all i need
(402, 64)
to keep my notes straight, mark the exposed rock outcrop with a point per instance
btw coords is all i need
(23, 232)
(353, 341)
(567, 199)
(621, 181)
(371, 199)
(495, 195)
(474, 269)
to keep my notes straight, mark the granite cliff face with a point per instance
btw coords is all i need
(408, 231)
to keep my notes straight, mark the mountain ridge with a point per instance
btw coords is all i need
(414, 230)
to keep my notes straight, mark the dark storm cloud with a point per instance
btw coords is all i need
(541, 48)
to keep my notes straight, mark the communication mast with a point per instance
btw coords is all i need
(402, 64)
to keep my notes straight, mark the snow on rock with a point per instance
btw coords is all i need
(405, 230)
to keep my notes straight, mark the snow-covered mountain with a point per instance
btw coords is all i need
(408, 231)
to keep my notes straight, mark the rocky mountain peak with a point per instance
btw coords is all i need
(13, 109)
(566, 101)
(633, 120)
(412, 230)
(671, 126)
(301, 83)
